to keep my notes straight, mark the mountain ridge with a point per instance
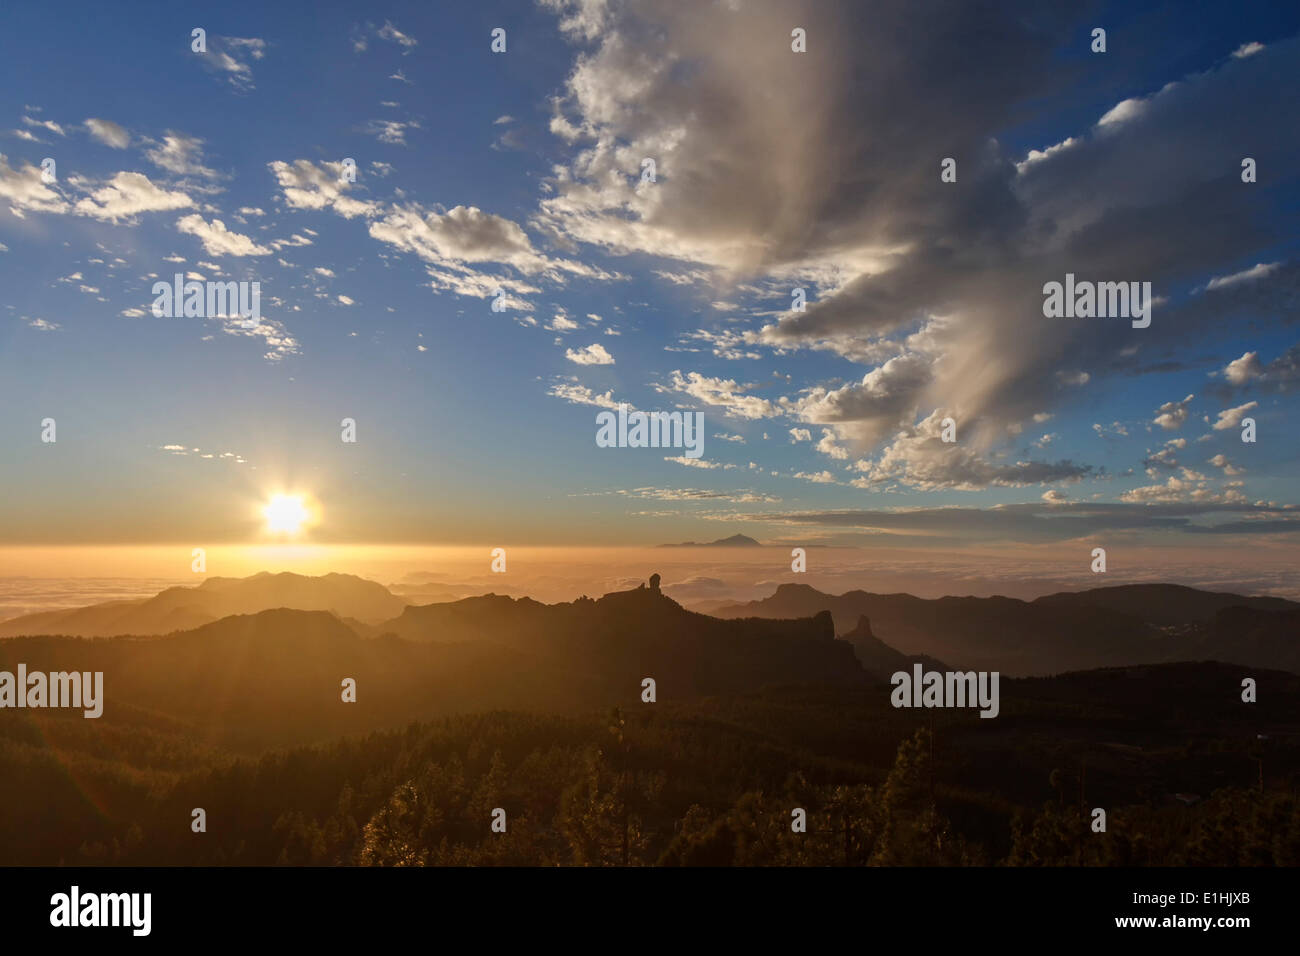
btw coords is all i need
(181, 608)
(1102, 627)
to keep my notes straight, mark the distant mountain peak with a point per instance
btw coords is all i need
(735, 541)
(861, 630)
(792, 588)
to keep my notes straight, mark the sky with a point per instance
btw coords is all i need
(524, 171)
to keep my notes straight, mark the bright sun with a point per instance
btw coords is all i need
(285, 513)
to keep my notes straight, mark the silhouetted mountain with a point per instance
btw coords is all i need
(1250, 636)
(644, 632)
(278, 674)
(1064, 633)
(735, 541)
(880, 660)
(182, 608)
(1164, 605)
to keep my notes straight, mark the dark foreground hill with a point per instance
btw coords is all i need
(1105, 627)
(1187, 773)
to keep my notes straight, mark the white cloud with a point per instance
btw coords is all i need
(1185, 489)
(217, 239)
(229, 56)
(127, 195)
(1123, 111)
(180, 154)
(1242, 370)
(820, 477)
(390, 131)
(1171, 415)
(108, 133)
(591, 355)
(394, 35)
(828, 446)
(722, 393)
(1231, 417)
(24, 189)
(1257, 271)
(50, 125)
(308, 186)
(582, 395)
(1229, 469)
(699, 463)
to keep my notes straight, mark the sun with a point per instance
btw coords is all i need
(285, 513)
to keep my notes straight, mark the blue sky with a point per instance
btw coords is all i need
(775, 170)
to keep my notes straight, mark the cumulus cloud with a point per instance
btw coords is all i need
(1221, 461)
(1188, 488)
(1171, 415)
(392, 132)
(918, 456)
(582, 395)
(180, 154)
(1282, 373)
(720, 393)
(827, 446)
(1242, 370)
(591, 355)
(108, 133)
(217, 239)
(884, 400)
(126, 195)
(463, 234)
(1231, 417)
(699, 463)
(308, 186)
(455, 241)
(23, 189)
(278, 342)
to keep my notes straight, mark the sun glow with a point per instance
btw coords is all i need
(285, 514)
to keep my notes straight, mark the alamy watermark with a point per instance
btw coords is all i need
(651, 430)
(1102, 300)
(214, 300)
(56, 689)
(946, 689)
(75, 908)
